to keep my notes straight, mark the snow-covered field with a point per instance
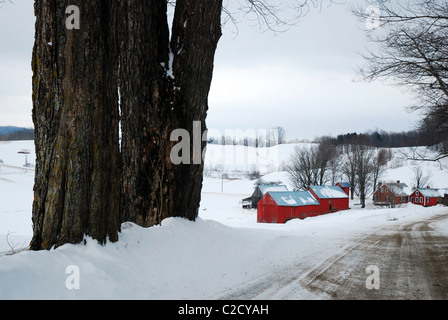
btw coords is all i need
(222, 251)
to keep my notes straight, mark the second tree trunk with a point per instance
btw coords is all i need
(164, 86)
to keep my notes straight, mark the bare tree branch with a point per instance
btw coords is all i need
(271, 15)
(413, 52)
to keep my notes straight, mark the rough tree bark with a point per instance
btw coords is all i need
(164, 85)
(75, 113)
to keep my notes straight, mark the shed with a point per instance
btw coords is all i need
(331, 198)
(259, 192)
(345, 186)
(445, 198)
(425, 197)
(279, 207)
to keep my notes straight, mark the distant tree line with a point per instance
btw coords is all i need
(427, 135)
(23, 134)
(251, 138)
(424, 136)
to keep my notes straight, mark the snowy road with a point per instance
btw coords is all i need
(412, 260)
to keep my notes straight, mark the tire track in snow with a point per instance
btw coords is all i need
(278, 284)
(411, 257)
(412, 261)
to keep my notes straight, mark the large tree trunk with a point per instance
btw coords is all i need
(164, 85)
(75, 113)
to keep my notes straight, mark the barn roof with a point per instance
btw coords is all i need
(429, 193)
(268, 188)
(329, 192)
(293, 198)
(399, 189)
(345, 184)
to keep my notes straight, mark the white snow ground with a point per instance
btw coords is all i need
(207, 259)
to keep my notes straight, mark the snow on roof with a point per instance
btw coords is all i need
(399, 189)
(329, 192)
(267, 188)
(429, 193)
(345, 184)
(293, 198)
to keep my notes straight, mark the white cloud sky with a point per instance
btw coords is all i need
(16, 45)
(301, 79)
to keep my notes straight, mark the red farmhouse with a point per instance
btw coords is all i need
(331, 198)
(392, 193)
(279, 207)
(425, 197)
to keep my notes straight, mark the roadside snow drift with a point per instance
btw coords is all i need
(188, 260)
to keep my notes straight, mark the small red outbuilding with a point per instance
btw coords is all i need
(279, 207)
(425, 197)
(345, 186)
(331, 198)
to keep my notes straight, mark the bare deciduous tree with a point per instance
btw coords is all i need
(361, 165)
(379, 162)
(413, 41)
(364, 163)
(348, 168)
(420, 178)
(311, 165)
(278, 135)
(302, 171)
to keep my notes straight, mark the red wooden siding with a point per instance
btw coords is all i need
(269, 212)
(391, 193)
(333, 205)
(279, 207)
(419, 197)
(328, 205)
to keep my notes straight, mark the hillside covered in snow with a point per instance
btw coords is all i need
(224, 251)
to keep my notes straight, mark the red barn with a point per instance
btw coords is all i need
(425, 197)
(279, 207)
(331, 198)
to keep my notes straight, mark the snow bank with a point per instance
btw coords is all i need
(189, 260)
(179, 260)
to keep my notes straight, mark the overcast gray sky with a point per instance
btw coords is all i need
(302, 79)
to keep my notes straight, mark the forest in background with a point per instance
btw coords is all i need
(378, 138)
(10, 133)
